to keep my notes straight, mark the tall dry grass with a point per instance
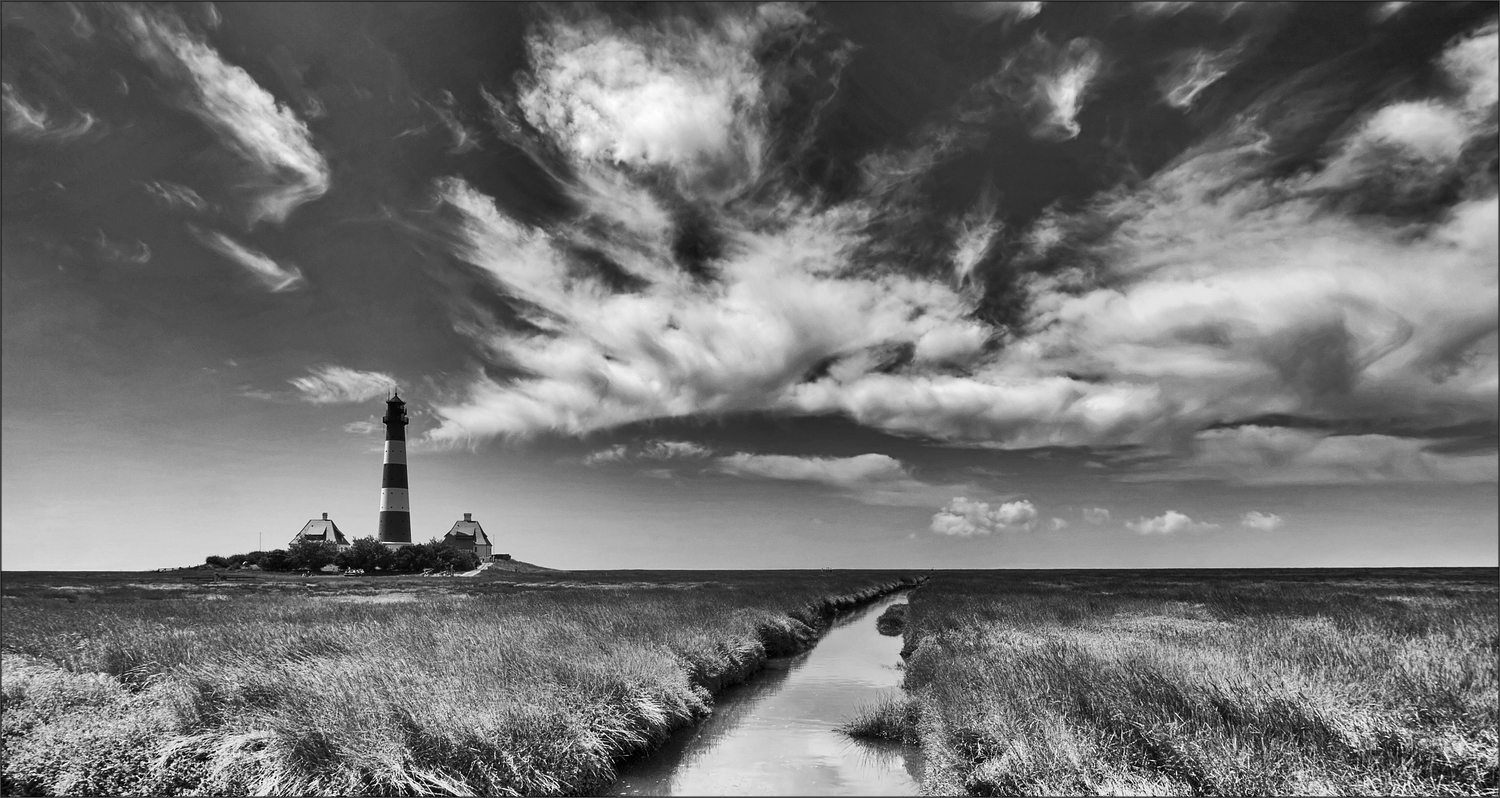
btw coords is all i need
(1202, 683)
(283, 689)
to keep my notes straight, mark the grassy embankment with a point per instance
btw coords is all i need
(1239, 682)
(532, 684)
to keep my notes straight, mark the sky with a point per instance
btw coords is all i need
(928, 285)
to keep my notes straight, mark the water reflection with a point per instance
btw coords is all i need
(774, 735)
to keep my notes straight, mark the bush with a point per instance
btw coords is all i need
(311, 554)
(275, 560)
(367, 554)
(216, 561)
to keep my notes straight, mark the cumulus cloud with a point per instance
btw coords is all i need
(964, 518)
(1265, 522)
(1169, 523)
(283, 169)
(678, 94)
(613, 454)
(1470, 64)
(272, 275)
(845, 472)
(1095, 515)
(338, 385)
(1058, 523)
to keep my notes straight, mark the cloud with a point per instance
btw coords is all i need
(284, 169)
(964, 518)
(32, 121)
(677, 346)
(136, 252)
(678, 94)
(1058, 524)
(1050, 83)
(1066, 89)
(366, 427)
(1219, 289)
(614, 454)
(272, 275)
(1470, 64)
(339, 385)
(1095, 515)
(670, 450)
(651, 450)
(1194, 70)
(175, 196)
(1259, 455)
(846, 472)
(1265, 522)
(1169, 523)
(991, 11)
(1234, 294)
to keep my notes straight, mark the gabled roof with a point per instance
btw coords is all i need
(324, 530)
(470, 530)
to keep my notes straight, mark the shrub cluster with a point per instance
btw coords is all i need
(366, 553)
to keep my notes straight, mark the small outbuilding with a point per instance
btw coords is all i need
(468, 535)
(322, 530)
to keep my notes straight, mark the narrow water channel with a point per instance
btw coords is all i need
(774, 735)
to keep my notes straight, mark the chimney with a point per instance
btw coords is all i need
(468, 516)
(325, 516)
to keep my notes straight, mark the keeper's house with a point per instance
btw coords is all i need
(468, 535)
(322, 530)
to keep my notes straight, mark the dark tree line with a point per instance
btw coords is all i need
(366, 553)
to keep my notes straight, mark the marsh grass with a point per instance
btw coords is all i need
(892, 621)
(892, 717)
(1244, 682)
(402, 687)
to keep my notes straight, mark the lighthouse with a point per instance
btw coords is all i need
(395, 508)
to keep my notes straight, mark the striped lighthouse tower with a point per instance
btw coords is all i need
(395, 509)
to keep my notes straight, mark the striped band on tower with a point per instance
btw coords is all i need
(395, 507)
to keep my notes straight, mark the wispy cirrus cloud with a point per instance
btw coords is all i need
(651, 450)
(28, 120)
(274, 276)
(1050, 83)
(339, 385)
(1259, 455)
(1193, 70)
(845, 472)
(283, 169)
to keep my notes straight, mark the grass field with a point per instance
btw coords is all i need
(1198, 682)
(512, 683)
